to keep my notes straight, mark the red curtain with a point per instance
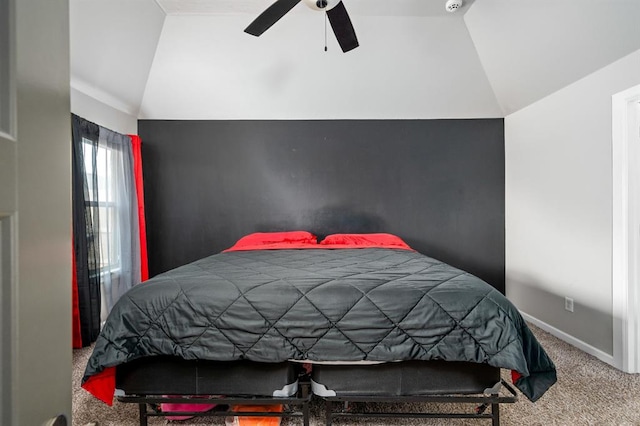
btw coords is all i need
(77, 335)
(136, 144)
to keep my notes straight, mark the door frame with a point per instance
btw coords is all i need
(8, 211)
(7, 317)
(626, 230)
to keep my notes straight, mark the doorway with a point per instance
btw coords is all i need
(626, 229)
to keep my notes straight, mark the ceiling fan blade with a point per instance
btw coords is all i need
(342, 27)
(270, 16)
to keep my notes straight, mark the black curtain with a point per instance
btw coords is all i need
(85, 229)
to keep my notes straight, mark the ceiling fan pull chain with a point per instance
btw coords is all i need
(325, 31)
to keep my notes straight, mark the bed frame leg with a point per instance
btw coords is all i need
(495, 414)
(143, 414)
(305, 413)
(328, 412)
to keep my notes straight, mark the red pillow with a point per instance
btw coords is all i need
(365, 240)
(265, 240)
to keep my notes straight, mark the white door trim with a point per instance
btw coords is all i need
(626, 227)
(7, 71)
(8, 214)
(8, 293)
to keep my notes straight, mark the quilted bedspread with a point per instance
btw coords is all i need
(321, 305)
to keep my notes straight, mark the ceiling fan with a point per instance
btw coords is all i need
(336, 12)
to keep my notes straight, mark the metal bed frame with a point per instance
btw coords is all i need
(491, 398)
(152, 381)
(301, 400)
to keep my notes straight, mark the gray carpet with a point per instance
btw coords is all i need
(588, 392)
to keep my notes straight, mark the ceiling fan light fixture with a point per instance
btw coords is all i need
(321, 4)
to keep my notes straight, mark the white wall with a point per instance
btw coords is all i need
(100, 113)
(559, 201)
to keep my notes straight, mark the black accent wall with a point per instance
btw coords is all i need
(438, 184)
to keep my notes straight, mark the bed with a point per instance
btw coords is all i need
(351, 305)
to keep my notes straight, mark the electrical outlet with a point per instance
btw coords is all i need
(568, 304)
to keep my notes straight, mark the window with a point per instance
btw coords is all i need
(99, 166)
(106, 221)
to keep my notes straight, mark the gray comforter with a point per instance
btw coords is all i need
(322, 305)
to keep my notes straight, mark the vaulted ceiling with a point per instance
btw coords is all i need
(190, 59)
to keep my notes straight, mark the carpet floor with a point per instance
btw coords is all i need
(588, 392)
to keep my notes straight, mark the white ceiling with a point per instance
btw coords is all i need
(357, 7)
(532, 48)
(225, 74)
(190, 59)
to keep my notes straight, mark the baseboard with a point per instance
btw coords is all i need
(585, 347)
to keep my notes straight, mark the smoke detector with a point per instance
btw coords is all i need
(453, 5)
